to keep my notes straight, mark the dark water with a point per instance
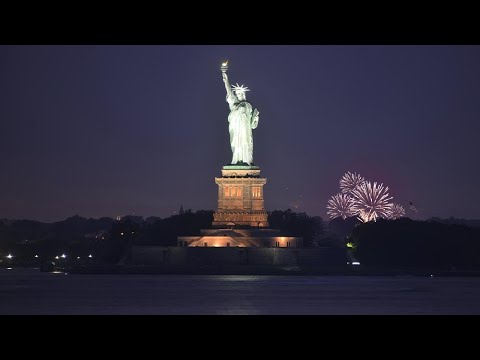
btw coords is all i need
(28, 291)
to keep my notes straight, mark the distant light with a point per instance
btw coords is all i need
(9, 256)
(36, 256)
(56, 257)
(355, 263)
(9, 268)
(90, 256)
(121, 234)
(64, 256)
(78, 257)
(431, 275)
(348, 262)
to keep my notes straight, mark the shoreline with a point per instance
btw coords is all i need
(258, 271)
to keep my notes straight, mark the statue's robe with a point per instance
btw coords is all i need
(242, 119)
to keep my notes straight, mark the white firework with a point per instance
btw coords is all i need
(341, 205)
(396, 212)
(350, 181)
(372, 201)
(364, 216)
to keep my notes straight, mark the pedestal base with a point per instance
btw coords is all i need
(261, 238)
(240, 198)
(253, 218)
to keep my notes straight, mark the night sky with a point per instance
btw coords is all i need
(115, 130)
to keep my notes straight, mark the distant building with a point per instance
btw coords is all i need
(100, 235)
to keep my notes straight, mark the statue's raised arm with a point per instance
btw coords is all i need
(224, 69)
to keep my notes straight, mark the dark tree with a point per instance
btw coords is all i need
(343, 227)
(405, 243)
(297, 224)
(165, 231)
(118, 243)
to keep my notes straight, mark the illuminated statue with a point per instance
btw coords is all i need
(242, 119)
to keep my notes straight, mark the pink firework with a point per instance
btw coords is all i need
(350, 182)
(372, 201)
(396, 212)
(341, 205)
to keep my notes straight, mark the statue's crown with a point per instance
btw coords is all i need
(240, 88)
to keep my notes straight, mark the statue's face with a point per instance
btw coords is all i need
(240, 95)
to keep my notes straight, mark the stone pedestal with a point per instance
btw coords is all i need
(240, 198)
(241, 219)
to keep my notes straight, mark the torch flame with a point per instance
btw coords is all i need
(225, 63)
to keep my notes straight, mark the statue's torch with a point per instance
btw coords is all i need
(224, 67)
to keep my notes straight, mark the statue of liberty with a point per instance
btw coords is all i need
(242, 119)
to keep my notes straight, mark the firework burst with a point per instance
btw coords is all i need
(364, 216)
(372, 201)
(350, 182)
(397, 211)
(341, 205)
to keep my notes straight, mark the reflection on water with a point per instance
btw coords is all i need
(232, 278)
(29, 291)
